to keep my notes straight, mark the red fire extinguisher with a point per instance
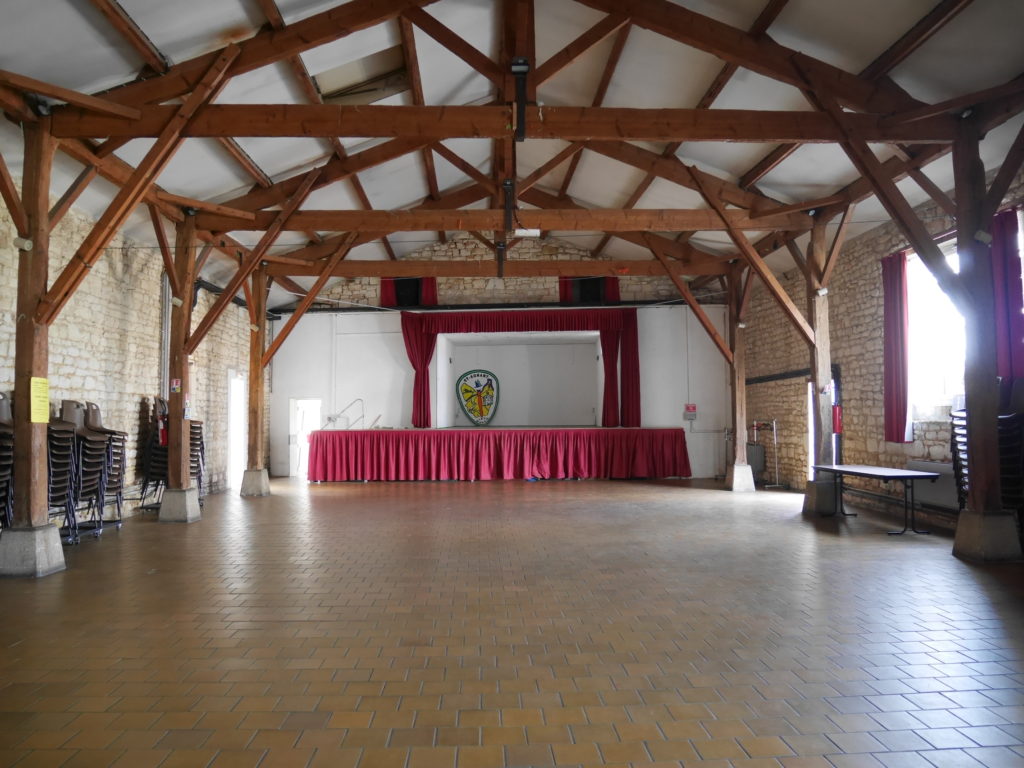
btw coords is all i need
(161, 429)
(837, 419)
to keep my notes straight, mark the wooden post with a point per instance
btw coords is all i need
(32, 547)
(180, 502)
(738, 476)
(984, 530)
(821, 349)
(256, 482)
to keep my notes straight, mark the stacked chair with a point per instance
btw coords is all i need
(6, 463)
(90, 479)
(117, 459)
(61, 454)
(154, 459)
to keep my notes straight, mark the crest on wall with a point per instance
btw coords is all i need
(477, 392)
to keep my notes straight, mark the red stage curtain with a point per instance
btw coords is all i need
(387, 292)
(419, 346)
(1006, 277)
(629, 374)
(420, 332)
(428, 291)
(610, 358)
(611, 289)
(565, 290)
(896, 369)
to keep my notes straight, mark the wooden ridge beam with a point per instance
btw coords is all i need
(9, 193)
(757, 53)
(569, 123)
(265, 47)
(80, 100)
(601, 31)
(249, 263)
(307, 301)
(134, 191)
(132, 34)
(588, 220)
(513, 268)
(455, 44)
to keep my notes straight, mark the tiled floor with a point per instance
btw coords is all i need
(478, 625)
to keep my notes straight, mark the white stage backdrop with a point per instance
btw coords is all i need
(356, 365)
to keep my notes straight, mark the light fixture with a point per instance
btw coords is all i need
(520, 69)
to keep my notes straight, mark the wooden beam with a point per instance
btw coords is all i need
(165, 252)
(13, 200)
(266, 47)
(838, 240)
(80, 100)
(587, 220)
(1004, 177)
(245, 161)
(695, 307)
(542, 171)
(31, 343)
(735, 288)
(960, 103)
(455, 44)
(936, 194)
(489, 268)
(272, 12)
(798, 258)
(207, 206)
(757, 53)
(806, 205)
(256, 453)
(132, 34)
(601, 31)
(71, 194)
(307, 301)
(766, 164)
(131, 194)
(915, 37)
(179, 429)
(445, 122)
(250, 263)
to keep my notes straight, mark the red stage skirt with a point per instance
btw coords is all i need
(496, 454)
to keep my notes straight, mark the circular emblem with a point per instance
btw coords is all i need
(477, 392)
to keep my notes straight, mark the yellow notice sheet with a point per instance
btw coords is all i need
(40, 397)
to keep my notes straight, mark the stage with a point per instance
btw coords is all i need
(496, 454)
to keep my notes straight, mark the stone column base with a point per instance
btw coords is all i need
(820, 497)
(255, 482)
(31, 551)
(987, 538)
(739, 478)
(180, 505)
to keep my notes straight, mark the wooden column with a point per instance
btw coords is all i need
(31, 346)
(821, 349)
(257, 398)
(738, 476)
(178, 451)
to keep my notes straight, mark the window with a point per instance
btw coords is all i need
(407, 292)
(936, 340)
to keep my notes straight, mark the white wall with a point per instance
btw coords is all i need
(539, 385)
(340, 357)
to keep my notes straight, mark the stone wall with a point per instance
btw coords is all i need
(493, 290)
(105, 344)
(855, 317)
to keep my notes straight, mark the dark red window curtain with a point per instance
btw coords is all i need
(629, 364)
(610, 358)
(1008, 296)
(428, 292)
(388, 298)
(896, 368)
(611, 289)
(420, 334)
(565, 290)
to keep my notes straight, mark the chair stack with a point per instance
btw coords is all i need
(958, 447)
(6, 463)
(117, 458)
(91, 464)
(197, 455)
(1011, 459)
(154, 460)
(60, 459)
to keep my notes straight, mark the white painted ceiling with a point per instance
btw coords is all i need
(67, 42)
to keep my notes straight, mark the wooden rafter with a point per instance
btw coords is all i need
(249, 264)
(10, 195)
(134, 191)
(165, 251)
(457, 45)
(463, 165)
(1004, 177)
(838, 240)
(81, 100)
(601, 31)
(307, 301)
(132, 34)
(71, 194)
(543, 170)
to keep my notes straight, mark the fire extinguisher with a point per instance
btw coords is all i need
(161, 429)
(837, 419)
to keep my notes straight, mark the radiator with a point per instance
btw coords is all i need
(941, 493)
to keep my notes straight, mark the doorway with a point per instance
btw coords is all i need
(303, 418)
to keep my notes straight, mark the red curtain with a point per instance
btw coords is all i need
(630, 369)
(428, 292)
(419, 346)
(565, 290)
(610, 358)
(896, 369)
(420, 332)
(611, 289)
(388, 298)
(1006, 278)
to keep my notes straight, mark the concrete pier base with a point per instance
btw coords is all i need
(255, 482)
(987, 538)
(739, 478)
(31, 551)
(180, 506)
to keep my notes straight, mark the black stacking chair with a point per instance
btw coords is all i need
(6, 463)
(60, 455)
(116, 460)
(91, 465)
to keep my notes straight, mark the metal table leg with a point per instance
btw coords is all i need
(908, 510)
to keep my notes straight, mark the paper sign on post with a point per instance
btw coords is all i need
(39, 397)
